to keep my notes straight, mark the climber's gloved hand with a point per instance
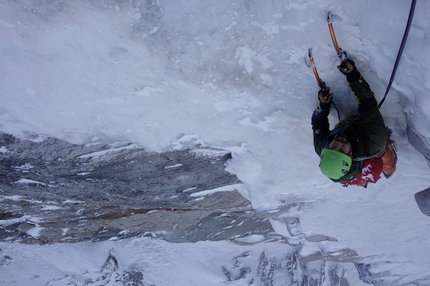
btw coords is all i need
(347, 67)
(325, 97)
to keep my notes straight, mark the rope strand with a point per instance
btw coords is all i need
(399, 54)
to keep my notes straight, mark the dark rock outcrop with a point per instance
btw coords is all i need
(423, 200)
(54, 191)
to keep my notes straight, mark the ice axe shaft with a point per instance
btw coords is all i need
(311, 64)
(341, 54)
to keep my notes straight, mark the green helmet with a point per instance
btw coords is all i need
(334, 164)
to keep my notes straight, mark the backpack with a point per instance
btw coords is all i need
(372, 167)
(389, 158)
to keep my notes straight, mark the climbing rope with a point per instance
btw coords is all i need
(399, 54)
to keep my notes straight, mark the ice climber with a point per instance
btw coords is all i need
(358, 150)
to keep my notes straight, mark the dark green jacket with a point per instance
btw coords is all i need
(368, 141)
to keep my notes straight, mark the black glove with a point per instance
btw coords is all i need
(325, 97)
(347, 67)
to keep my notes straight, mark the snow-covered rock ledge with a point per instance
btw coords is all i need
(54, 191)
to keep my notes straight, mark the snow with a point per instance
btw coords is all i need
(104, 152)
(83, 260)
(27, 181)
(229, 188)
(5, 222)
(169, 75)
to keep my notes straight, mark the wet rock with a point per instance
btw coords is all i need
(418, 142)
(55, 191)
(423, 200)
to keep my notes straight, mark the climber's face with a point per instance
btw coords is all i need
(341, 144)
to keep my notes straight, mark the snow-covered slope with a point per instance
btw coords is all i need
(168, 75)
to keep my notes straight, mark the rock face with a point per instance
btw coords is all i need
(418, 142)
(423, 200)
(54, 191)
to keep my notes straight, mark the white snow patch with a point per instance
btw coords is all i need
(229, 188)
(28, 182)
(7, 222)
